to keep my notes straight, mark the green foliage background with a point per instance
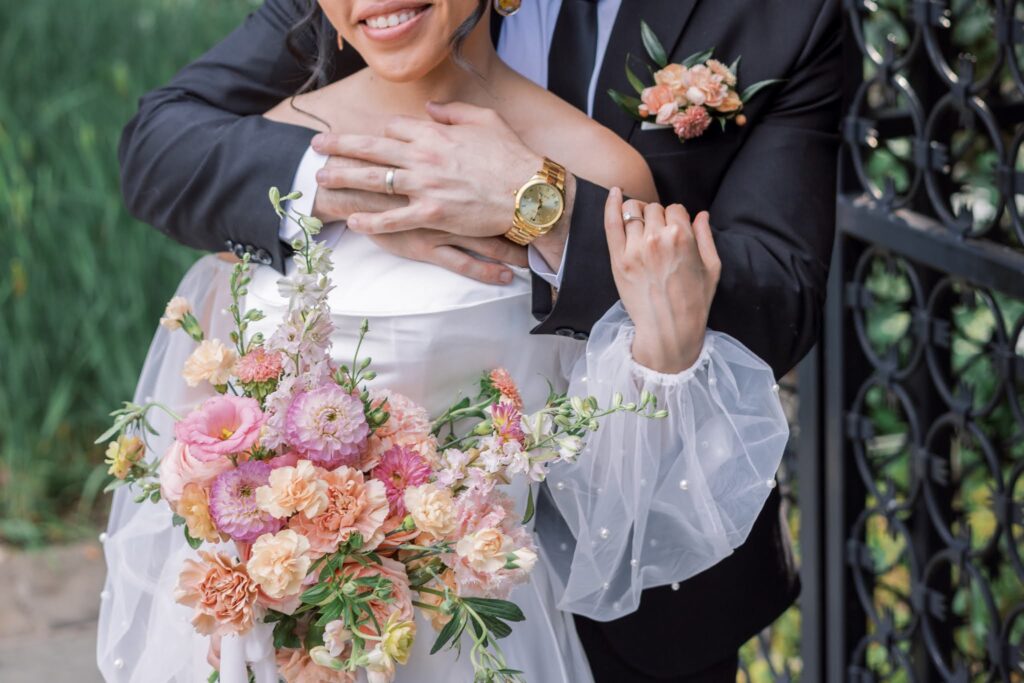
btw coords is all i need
(81, 283)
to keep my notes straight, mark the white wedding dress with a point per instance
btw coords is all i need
(648, 503)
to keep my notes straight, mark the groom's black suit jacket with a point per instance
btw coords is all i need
(197, 160)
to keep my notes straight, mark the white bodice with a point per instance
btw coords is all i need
(432, 332)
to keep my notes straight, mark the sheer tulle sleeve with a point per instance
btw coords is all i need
(653, 502)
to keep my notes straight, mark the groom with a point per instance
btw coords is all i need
(197, 160)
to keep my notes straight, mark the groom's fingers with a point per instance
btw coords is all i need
(462, 263)
(397, 220)
(368, 178)
(379, 150)
(497, 248)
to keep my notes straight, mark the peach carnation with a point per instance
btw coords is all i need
(354, 504)
(221, 593)
(691, 123)
(408, 425)
(279, 563)
(293, 490)
(211, 362)
(432, 508)
(174, 312)
(484, 550)
(704, 88)
(720, 69)
(296, 666)
(673, 76)
(659, 101)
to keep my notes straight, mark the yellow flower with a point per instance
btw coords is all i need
(122, 454)
(398, 638)
(194, 506)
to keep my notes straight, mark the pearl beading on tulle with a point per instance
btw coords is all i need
(119, 663)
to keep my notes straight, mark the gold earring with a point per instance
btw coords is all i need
(341, 42)
(507, 8)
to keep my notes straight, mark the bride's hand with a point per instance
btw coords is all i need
(666, 270)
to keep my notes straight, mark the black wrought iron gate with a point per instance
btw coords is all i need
(909, 466)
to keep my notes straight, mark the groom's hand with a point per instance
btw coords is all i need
(456, 253)
(460, 171)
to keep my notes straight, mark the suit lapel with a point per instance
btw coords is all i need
(668, 19)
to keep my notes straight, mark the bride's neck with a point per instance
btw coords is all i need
(468, 80)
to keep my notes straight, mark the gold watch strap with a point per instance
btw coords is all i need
(521, 232)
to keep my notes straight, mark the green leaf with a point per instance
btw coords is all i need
(653, 46)
(315, 594)
(192, 542)
(497, 627)
(758, 87)
(451, 631)
(177, 520)
(698, 58)
(633, 79)
(628, 103)
(528, 515)
(502, 609)
(735, 66)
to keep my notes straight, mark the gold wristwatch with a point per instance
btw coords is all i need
(540, 203)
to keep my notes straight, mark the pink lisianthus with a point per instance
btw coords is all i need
(259, 365)
(659, 101)
(233, 503)
(327, 426)
(179, 467)
(222, 426)
(691, 123)
(401, 468)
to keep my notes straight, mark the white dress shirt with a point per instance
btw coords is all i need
(524, 45)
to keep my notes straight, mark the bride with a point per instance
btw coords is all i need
(647, 504)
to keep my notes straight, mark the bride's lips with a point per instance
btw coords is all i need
(392, 20)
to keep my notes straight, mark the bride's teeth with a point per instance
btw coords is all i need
(391, 20)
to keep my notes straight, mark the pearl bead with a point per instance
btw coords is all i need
(104, 595)
(615, 605)
(775, 388)
(772, 483)
(600, 490)
(634, 563)
(563, 546)
(560, 486)
(603, 533)
(606, 585)
(654, 543)
(712, 382)
(675, 586)
(703, 444)
(684, 485)
(583, 379)
(643, 482)
(118, 663)
(103, 537)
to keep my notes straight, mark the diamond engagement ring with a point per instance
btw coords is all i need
(389, 181)
(627, 217)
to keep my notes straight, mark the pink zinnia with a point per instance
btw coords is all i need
(223, 425)
(691, 123)
(258, 365)
(507, 422)
(401, 468)
(327, 426)
(233, 502)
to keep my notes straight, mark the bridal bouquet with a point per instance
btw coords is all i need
(334, 509)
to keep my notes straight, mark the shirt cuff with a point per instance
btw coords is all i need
(540, 266)
(304, 182)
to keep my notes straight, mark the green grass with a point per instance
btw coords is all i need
(81, 283)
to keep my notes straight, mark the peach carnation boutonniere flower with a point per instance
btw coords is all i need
(686, 97)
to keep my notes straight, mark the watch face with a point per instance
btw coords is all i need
(540, 205)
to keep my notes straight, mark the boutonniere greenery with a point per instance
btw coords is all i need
(686, 97)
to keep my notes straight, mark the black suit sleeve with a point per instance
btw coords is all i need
(198, 158)
(773, 217)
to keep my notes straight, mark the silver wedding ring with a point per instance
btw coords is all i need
(627, 217)
(389, 181)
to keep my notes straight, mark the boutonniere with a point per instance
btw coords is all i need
(686, 97)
